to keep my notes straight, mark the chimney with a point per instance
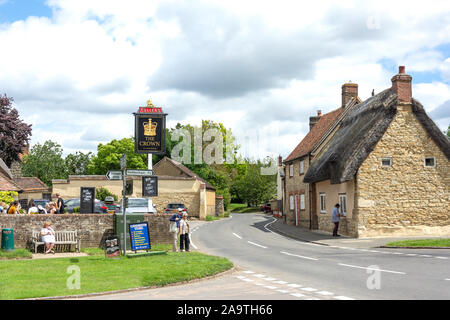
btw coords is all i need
(401, 84)
(280, 161)
(314, 120)
(349, 90)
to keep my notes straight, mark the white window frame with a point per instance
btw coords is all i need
(291, 202)
(291, 170)
(302, 201)
(386, 165)
(425, 162)
(323, 202)
(302, 167)
(343, 204)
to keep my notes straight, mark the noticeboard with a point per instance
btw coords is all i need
(140, 237)
(87, 200)
(150, 186)
(112, 248)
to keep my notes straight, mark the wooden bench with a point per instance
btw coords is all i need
(61, 237)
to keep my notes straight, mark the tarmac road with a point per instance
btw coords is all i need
(270, 266)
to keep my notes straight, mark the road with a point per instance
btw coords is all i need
(273, 267)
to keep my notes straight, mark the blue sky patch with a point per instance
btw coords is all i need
(14, 10)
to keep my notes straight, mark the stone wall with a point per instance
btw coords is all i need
(406, 198)
(219, 206)
(92, 228)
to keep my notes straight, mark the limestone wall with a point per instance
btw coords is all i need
(92, 228)
(406, 198)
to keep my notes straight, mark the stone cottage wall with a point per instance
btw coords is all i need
(406, 198)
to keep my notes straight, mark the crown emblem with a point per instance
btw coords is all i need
(150, 128)
(150, 104)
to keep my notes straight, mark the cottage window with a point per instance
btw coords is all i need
(343, 203)
(323, 208)
(302, 167)
(430, 162)
(386, 162)
(291, 202)
(302, 202)
(291, 170)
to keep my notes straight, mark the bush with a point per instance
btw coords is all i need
(102, 193)
(76, 210)
(8, 196)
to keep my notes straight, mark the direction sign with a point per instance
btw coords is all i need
(139, 172)
(114, 175)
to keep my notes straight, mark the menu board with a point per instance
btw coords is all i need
(140, 237)
(87, 200)
(112, 247)
(150, 186)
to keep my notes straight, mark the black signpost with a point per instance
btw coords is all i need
(150, 186)
(87, 200)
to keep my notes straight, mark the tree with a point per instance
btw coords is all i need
(108, 157)
(448, 131)
(77, 164)
(45, 162)
(14, 133)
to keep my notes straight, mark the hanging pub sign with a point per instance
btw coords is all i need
(150, 130)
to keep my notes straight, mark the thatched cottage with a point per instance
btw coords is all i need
(387, 164)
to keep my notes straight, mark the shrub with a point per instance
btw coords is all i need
(8, 196)
(102, 193)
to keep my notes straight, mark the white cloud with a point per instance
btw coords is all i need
(79, 75)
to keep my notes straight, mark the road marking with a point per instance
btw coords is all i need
(283, 291)
(441, 257)
(447, 279)
(411, 254)
(325, 293)
(425, 255)
(343, 298)
(265, 227)
(348, 265)
(248, 272)
(237, 235)
(269, 279)
(280, 282)
(258, 245)
(293, 285)
(259, 275)
(295, 255)
(270, 287)
(298, 295)
(308, 289)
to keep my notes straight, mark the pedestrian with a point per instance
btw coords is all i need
(33, 209)
(184, 233)
(175, 227)
(48, 236)
(13, 208)
(2, 207)
(59, 204)
(51, 208)
(335, 218)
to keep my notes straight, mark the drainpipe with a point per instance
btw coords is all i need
(310, 193)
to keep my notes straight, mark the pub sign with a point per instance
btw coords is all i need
(150, 130)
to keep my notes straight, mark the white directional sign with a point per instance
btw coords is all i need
(114, 175)
(139, 172)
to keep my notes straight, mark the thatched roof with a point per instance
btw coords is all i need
(358, 135)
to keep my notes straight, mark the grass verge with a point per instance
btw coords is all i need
(421, 243)
(16, 254)
(49, 277)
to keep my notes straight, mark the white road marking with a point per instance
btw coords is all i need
(447, 279)
(259, 275)
(280, 282)
(295, 255)
(248, 271)
(348, 265)
(237, 235)
(441, 257)
(298, 295)
(293, 285)
(265, 227)
(343, 298)
(308, 289)
(325, 293)
(411, 254)
(283, 291)
(269, 279)
(258, 245)
(270, 287)
(425, 255)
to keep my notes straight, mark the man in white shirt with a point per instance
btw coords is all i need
(335, 218)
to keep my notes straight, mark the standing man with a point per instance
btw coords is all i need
(335, 218)
(175, 227)
(59, 204)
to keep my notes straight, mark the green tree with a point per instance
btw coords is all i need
(109, 154)
(448, 131)
(77, 163)
(101, 194)
(45, 162)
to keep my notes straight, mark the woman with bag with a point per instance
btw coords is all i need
(174, 227)
(184, 234)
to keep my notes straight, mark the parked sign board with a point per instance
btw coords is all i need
(139, 235)
(87, 200)
(150, 186)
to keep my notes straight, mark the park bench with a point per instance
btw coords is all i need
(61, 238)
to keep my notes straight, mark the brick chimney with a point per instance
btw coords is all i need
(349, 90)
(314, 120)
(401, 84)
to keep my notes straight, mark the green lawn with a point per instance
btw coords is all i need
(242, 208)
(48, 277)
(421, 243)
(16, 254)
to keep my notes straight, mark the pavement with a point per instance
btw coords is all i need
(326, 238)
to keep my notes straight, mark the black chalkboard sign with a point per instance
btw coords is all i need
(87, 200)
(150, 186)
(112, 248)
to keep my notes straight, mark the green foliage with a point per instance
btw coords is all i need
(108, 157)
(448, 131)
(101, 194)
(76, 210)
(77, 164)
(45, 162)
(8, 196)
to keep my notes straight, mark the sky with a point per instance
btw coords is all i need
(78, 69)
